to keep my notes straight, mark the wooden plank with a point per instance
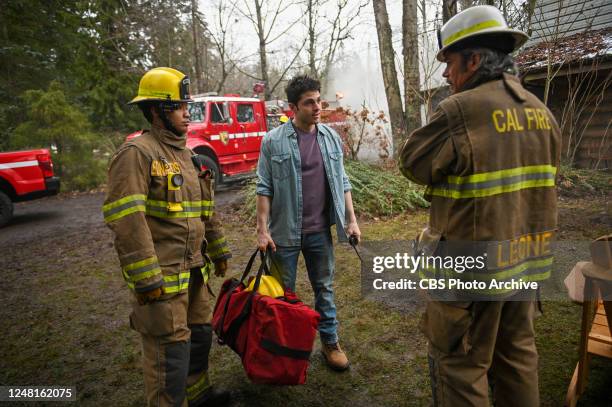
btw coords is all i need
(572, 395)
(600, 349)
(600, 320)
(570, 24)
(568, 6)
(602, 331)
(604, 339)
(600, 308)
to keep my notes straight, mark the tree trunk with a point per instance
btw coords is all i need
(196, 49)
(410, 49)
(263, 60)
(387, 64)
(530, 11)
(449, 9)
(312, 64)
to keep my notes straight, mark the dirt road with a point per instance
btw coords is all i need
(36, 221)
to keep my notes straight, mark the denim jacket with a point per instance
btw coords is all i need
(280, 177)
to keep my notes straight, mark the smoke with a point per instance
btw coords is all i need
(359, 79)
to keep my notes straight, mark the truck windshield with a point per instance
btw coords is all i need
(197, 112)
(219, 112)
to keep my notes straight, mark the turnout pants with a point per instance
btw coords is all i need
(176, 339)
(477, 345)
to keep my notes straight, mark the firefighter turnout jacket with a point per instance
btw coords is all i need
(489, 158)
(160, 207)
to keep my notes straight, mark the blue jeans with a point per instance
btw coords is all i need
(318, 252)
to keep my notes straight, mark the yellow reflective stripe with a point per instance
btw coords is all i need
(220, 251)
(472, 29)
(486, 276)
(123, 200)
(140, 270)
(172, 215)
(502, 189)
(190, 204)
(145, 274)
(205, 270)
(494, 175)
(198, 387)
(123, 207)
(511, 272)
(125, 212)
(158, 209)
(219, 248)
(495, 182)
(176, 282)
(140, 264)
(217, 242)
(191, 209)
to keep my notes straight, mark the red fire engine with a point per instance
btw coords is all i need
(227, 131)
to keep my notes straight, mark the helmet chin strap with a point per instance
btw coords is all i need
(162, 115)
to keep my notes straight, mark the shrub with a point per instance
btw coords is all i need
(377, 191)
(53, 122)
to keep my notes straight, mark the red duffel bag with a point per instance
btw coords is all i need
(273, 336)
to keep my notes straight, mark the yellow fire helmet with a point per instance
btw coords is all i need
(283, 119)
(268, 286)
(164, 85)
(482, 25)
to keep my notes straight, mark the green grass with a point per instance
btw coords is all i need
(582, 182)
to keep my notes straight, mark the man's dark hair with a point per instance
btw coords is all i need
(300, 85)
(493, 64)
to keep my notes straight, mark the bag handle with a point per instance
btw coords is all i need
(229, 336)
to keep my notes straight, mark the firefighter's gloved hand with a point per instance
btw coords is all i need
(220, 268)
(149, 296)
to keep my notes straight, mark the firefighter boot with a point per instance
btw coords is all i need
(335, 356)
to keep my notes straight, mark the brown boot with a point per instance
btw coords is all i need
(335, 356)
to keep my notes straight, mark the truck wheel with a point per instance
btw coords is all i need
(212, 165)
(6, 209)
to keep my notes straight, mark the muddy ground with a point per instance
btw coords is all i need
(65, 307)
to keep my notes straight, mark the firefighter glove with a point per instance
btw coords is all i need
(149, 296)
(220, 268)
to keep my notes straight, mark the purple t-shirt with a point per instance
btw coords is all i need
(315, 190)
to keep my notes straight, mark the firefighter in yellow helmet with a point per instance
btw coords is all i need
(160, 206)
(489, 157)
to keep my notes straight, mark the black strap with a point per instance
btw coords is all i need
(281, 350)
(229, 337)
(296, 301)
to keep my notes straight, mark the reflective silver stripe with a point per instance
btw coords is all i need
(143, 269)
(126, 205)
(468, 186)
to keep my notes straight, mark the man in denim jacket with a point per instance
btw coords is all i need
(302, 190)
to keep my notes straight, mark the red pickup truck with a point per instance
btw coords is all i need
(25, 175)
